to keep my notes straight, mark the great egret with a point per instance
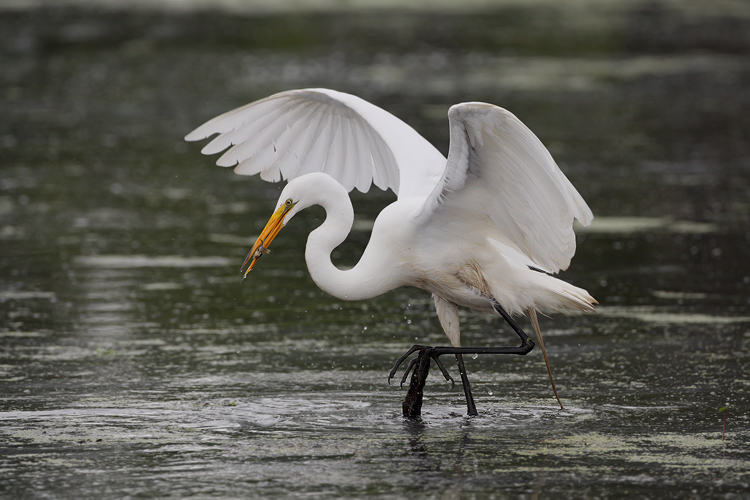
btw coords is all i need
(485, 228)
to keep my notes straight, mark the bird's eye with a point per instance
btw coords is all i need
(288, 202)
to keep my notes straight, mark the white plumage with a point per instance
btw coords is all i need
(485, 228)
(293, 133)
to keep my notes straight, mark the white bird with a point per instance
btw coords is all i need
(484, 229)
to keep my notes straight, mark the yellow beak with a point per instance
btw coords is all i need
(274, 225)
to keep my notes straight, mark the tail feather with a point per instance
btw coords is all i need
(552, 294)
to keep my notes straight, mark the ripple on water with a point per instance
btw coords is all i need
(628, 225)
(651, 314)
(137, 261)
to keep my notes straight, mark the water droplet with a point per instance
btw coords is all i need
(475, 356)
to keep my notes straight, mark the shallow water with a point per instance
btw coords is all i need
(133, 363)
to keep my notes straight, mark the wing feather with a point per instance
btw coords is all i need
(303, 137)
(238, 130)
(499, 171)
(301, 131)
(319, 150)
(351, 172)
(333, 162)
(265, 131)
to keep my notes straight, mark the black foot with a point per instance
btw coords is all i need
(425, 353)
(420, 367)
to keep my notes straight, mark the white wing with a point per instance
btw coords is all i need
(293, 133)
(500, 173)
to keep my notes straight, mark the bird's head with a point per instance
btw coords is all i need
(286, 208)
(299, 193)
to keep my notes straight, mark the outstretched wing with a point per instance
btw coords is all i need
(293, 133)
(501, 174)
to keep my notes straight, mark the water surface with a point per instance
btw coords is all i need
(133, 363)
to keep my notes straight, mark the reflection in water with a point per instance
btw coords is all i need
(431, 458)
(415, 428)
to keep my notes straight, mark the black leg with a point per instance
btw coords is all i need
(471, 408)
(420, 367)
(524, 338)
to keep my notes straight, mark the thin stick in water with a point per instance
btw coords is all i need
(535, 323)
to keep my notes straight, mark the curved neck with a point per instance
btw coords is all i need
(364, 280)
